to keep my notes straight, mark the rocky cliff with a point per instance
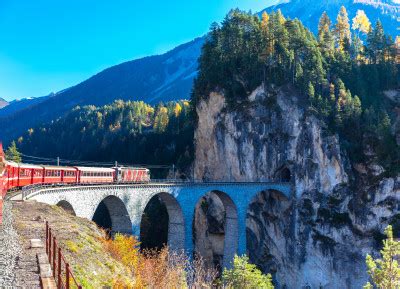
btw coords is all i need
(338, 210)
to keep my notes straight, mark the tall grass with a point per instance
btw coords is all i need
(158, 268)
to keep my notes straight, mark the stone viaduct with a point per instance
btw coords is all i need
(126, 203)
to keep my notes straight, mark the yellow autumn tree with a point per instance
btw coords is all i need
(342, 29)
(177, 110)
(264, 20)
(361, 22)
(161, 119)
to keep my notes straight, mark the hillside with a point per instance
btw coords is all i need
(156, 78)
(20, 104)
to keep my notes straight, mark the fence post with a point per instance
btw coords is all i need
(59, 269)
(47, 237)
(49, 240)
(54, 256)
(67, 276)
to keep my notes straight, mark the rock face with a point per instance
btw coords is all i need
(337, 214)
(209, 230)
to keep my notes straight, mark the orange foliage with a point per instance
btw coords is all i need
(158, 269)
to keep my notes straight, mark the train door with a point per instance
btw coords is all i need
(43, 175)
(32, 175)
(18, 170)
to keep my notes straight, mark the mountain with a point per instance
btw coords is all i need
(152, 79)
(170, 76)
(309, 11)
(3, 103)
(20, 104)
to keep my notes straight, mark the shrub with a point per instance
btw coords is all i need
(244, 275)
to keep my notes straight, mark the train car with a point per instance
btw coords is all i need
(58, 174)
(128, 174)
(20, 175)
(3, 174)
(52, 175)
(95, 175)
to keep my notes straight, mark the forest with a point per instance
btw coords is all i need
(130, 132)
(341, 73)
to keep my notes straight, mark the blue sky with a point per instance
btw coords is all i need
(49, 45)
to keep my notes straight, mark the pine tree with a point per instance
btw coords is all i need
(342, 30)
(385, 272)
(325, 36)
(311, 93)
(376, 41)
(12, 153)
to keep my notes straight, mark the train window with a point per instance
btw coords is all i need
(70, 173)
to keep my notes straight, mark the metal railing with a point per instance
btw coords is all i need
(62, 272)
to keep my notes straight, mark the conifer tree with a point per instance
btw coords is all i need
(325, 36)
(385, 272)
(376, 43)
(342, 30)
(12, 153)
(264, 20)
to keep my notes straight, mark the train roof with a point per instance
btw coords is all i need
(24, 166)
(132, 168)
(94, 169)
(60, 168)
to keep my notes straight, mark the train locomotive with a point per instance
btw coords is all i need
(17, 175)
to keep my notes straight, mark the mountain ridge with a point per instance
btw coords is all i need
(3, 103)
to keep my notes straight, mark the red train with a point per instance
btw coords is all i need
(16, 175)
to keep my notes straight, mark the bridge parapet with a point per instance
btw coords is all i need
(31, 191)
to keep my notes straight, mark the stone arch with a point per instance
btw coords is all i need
(112, 214)
(176, 223)
(230, 226)
(283, 174)
(66, 206)
(269, 231)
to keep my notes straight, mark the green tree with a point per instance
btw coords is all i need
(376, 43)
(244, 275)
(385, 272)
(12, 153)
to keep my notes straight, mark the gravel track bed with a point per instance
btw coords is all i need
(18, 264)
(10, 249)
